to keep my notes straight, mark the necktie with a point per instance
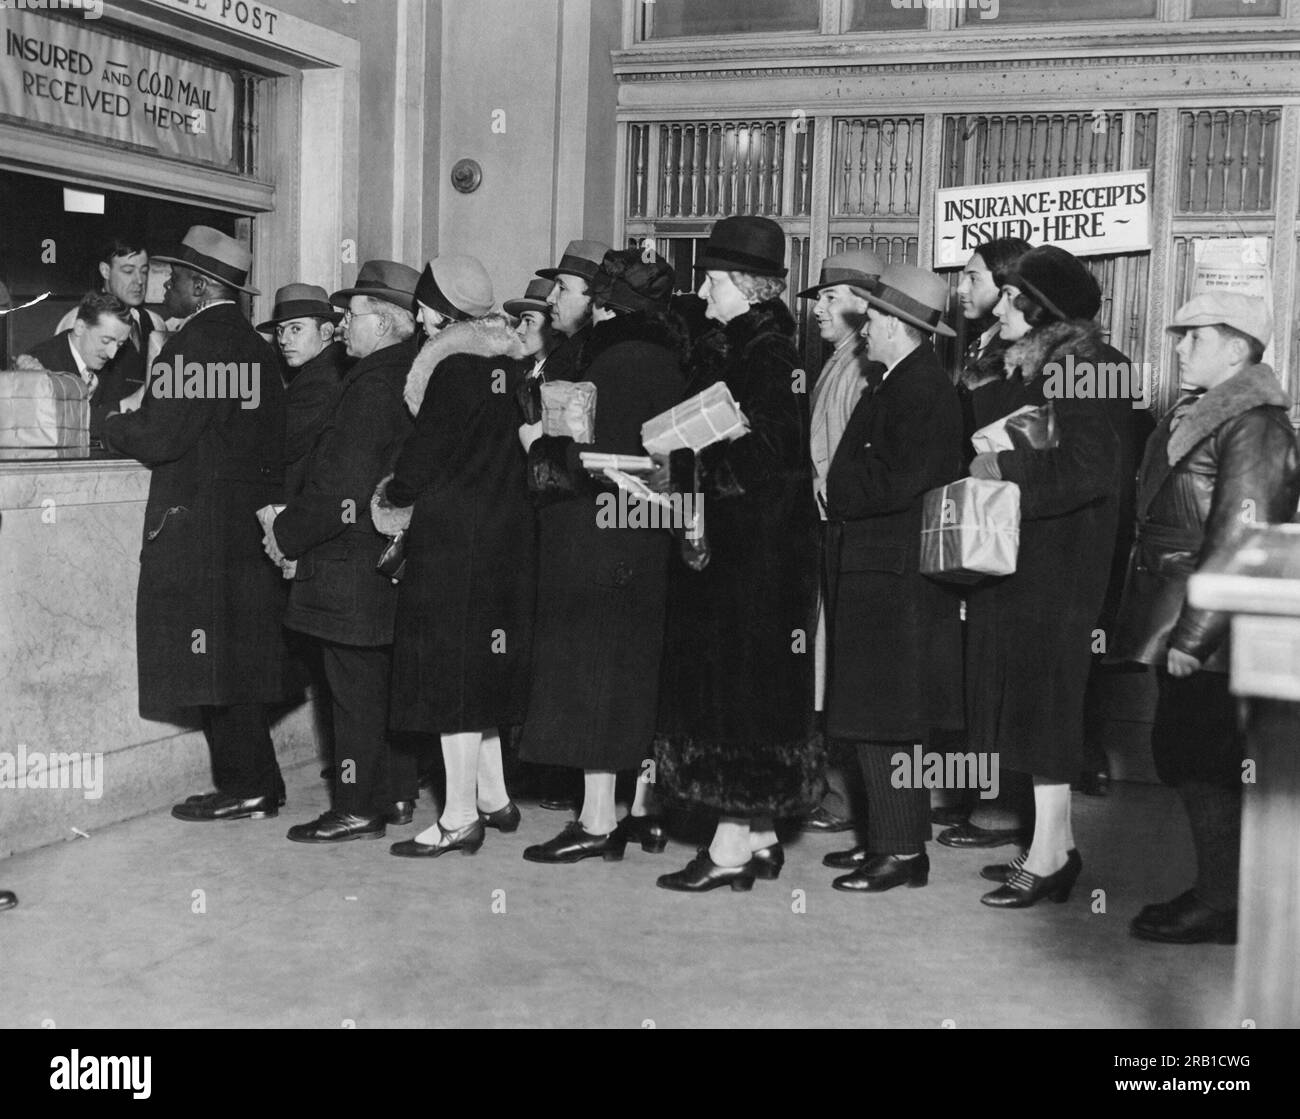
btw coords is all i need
(135, 331)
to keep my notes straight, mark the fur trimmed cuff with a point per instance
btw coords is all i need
(388, 519)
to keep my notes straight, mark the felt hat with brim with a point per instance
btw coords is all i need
(859, 268)
(534, 298)
(581, 258)
(211, 253)
(746, 243)
(382, 279)
(457, 286)
(914, 295)
(1247, 313)
(299, 301)
(1059, 281)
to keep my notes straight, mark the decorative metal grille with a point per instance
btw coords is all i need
(892, 249)
(1227, 159)
(1012, 147)
(713, 169)
(877, 163)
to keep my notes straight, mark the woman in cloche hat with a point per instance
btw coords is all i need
(464, 612)
(1030, 635)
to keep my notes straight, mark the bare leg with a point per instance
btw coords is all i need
(1053, 835)
(598, 815)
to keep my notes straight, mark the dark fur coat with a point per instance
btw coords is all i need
(736, 697)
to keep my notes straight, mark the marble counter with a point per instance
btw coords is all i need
(69, 560)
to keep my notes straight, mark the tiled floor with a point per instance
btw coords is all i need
(159, 923)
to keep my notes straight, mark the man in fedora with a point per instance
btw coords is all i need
(840, 309)
(208, 608)
(305, 325)
(570, 302)
(339, 599)
(895, 668)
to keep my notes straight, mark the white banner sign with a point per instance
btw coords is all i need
(62, 74)
(1090, 215)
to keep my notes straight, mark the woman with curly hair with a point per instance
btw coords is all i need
(736, 733)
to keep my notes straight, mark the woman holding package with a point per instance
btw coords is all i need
(601, 583)
(736, 733)
(464, 611)
(1030, 634)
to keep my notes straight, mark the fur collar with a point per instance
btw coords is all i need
(490, 336)
(1254, 387)
(717, 347)
(1026, 357)
(655, 328)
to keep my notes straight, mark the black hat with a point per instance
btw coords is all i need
(534, 298)
(299, 301)
(628, 282)
(581, 258)
(383, 279)
(744, 244)
(1058, 280)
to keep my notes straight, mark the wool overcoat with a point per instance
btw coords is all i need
(338, 595)
(894, 671)
(209, 604)
(601, 587)
(736, 728)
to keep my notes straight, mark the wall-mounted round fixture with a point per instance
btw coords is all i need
(466, 175)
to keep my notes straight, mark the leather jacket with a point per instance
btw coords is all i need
(1214, 466)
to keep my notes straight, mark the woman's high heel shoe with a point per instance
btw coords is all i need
(466, 840)
(503, 819)
(1000, 872)
(575, 843)
(767, 862)
(1023, 889)
(648, 831)
(702, 873)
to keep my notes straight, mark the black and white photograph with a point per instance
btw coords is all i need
(650, 514)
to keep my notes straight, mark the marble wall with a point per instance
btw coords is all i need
(69, 560)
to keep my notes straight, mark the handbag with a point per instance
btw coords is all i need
(392, 561)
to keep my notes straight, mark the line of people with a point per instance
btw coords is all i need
(723, 671)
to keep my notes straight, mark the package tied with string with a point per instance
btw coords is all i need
(706, 418)
(970, 529)
(569, 408)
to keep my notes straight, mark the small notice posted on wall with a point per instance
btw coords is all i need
(1237, 264)
(1090, 215)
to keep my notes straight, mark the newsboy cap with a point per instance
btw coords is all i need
(1247, 313)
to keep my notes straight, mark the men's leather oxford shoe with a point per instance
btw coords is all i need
(559, 803)
(969, 835)
(400, 813)
(821, 822)
(466, 840)
(8, 899)
(575, 843)
(702, 874)
(503, 819)
(338, 827)
(949, 816)
(884, 872)
(1185, 920)
(845, 860)
(220, 806)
